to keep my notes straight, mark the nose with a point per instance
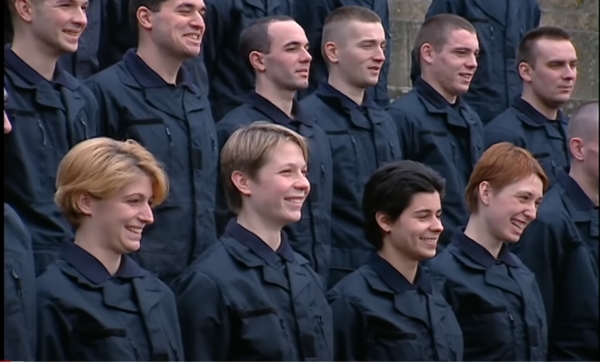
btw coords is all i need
(570, 73)
(472, 61)
(302, 183)
(305, 57)
(437, 225)
(198, 21)
(146, 215)
(80, 18)
(379, 55)
(531, 212)
(7, 125)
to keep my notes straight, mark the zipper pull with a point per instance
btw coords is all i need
(168, 131)
(19, 284)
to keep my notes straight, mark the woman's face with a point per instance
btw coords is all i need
(509, 210)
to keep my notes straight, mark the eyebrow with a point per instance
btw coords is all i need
(295, 43)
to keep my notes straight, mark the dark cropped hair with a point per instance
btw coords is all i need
(255, 37)
(134, 5)
(391, 189)
(528, 48)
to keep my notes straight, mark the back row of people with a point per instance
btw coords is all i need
(151, 98)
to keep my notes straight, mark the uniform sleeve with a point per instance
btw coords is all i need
(540, 250)
(348, 330)
(53, 331)
(493, 135)
(107, 123)
(204, 319)
(405, 129)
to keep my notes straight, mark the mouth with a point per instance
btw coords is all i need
(375, 69)
(431, 242)
(466, 76)
(194, 37)
(295, 200)
(135, 229)
(519, 224)
(73, 33)
(302, 71)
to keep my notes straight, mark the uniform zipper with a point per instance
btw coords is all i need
(18, 281)
(41, 127)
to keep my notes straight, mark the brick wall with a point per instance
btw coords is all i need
(579, 17)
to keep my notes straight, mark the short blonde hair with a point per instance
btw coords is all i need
(248, 150)
(101, 167)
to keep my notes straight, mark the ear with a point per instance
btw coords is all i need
(383, 221)
(576, 146)
(240, 181)
(485, 192)
(427, 52)
(330, 51)
(257, 60)
(84, 203)
(144, 17)
(525, 72)
(24, 9)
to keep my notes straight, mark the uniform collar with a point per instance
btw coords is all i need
(433, 96)
(277, 115)
(479, 254)
(259, 247)
(539, 119)
(394, 279)
(86, 264)
(148, 78)
(581, 201)
(328, 90)
(31, 76)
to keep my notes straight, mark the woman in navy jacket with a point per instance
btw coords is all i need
(495, 297)
(95, 303)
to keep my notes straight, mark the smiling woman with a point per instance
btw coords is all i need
(94, 294)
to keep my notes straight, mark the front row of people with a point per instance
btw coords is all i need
(251, 297)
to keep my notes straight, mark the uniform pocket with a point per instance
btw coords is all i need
(393, 345)
(344, 150)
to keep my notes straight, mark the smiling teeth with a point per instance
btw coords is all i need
(518, 224)
(195, 37)
(134, 230)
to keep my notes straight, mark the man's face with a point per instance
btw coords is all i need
(58, 24)
(178, 27)
(454, 65)
(361, 53)
(553, 76)
(288, 62)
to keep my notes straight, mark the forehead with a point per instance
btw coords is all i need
(361, 30)
(283, 32)
(461, 38)
(198, 4)
(287, 152)
(52, 2)
(556, 50)
(532, 184)
(425, 201)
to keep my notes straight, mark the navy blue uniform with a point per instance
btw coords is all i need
(19, 290)
(446, 137)
(378, 315)
(175, 124)
(561, 248)
(497, 302)
(242, 301)
(48, 118)
(523, 126)
(229, 76)
(311, 16)
(362, 139)
(85, 314)
(500, 27)
(311, 235)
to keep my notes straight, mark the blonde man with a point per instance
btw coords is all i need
(95, 303)
(251, 297)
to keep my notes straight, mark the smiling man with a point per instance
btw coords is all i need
(362, 136)
(435, 125)
(50, 112)
(548, 68)
(148, 96)
(276, 50)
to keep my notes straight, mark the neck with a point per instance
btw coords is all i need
(451, 98)
(36, 54)
(167, 67)
(91, 241)
(354, 93)
(478, 231)
(282, 99)
(405, 266)
(550, 113)
(589, 187)
(267, 232)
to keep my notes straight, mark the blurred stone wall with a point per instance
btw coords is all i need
(578, 17)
